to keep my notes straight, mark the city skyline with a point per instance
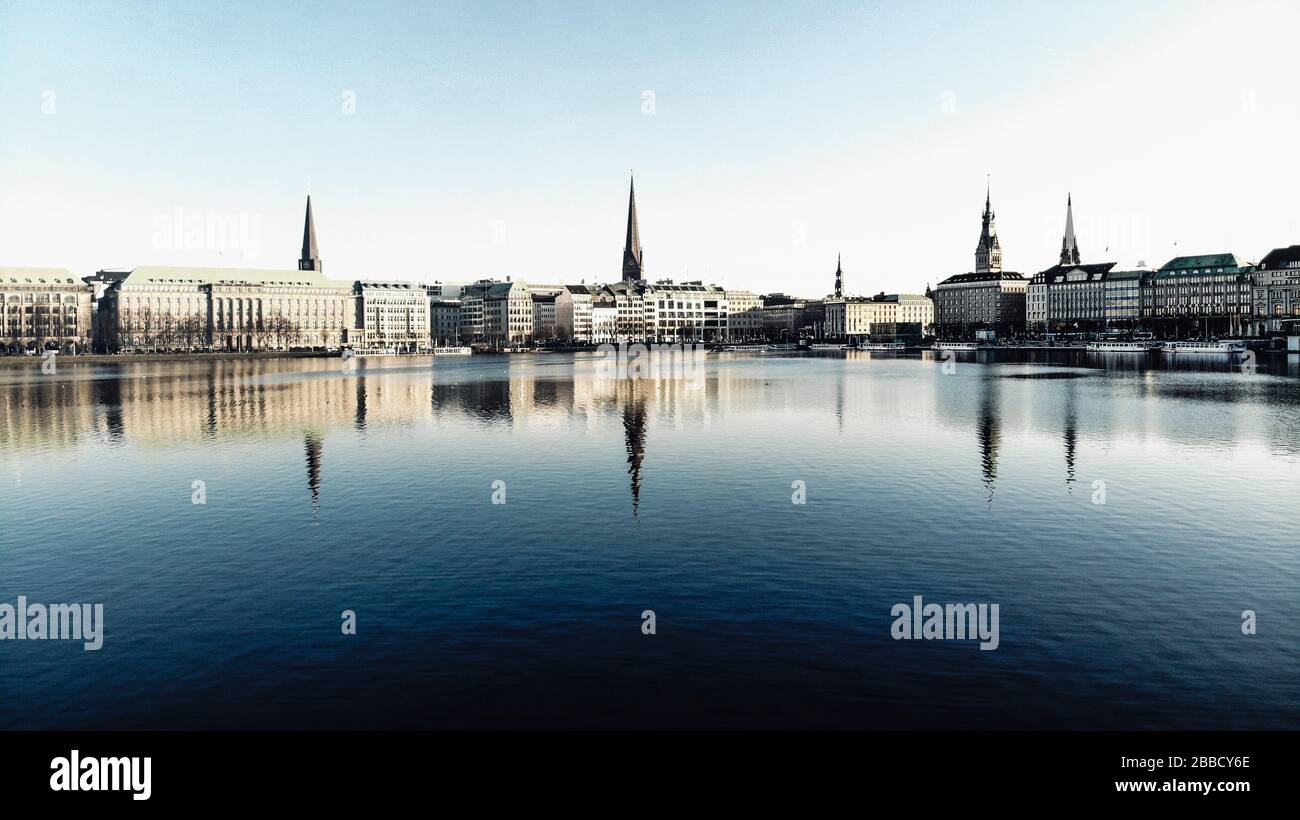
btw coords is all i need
(756, 165)
(987, 257)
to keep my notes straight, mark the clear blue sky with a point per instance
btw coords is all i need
(496, 138)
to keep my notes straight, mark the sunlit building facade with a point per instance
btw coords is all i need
(44, 309)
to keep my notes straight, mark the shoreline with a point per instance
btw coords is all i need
(123, 358)
(17, 362)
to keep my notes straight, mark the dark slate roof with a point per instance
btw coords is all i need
(576, 289)
(376, 284)
(963, 278)
(780, 299)
(501, 290)
(1090, 269)
(1280, 258)
(1212, 260)
(631, 288)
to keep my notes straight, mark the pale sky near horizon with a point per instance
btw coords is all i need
(494, 139)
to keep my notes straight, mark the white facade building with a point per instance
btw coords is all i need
(508, 315)
(744, 316)
(392, 315)
(44, 309)
(604, 319)
(573, 314)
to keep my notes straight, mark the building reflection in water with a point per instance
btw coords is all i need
(210, 410)
(315, 446)
(178, 405)
(634, 424)
(359, 416)
(988, 433)
(483, 399)
(107, 394)
(839, 400)
(1070, 433)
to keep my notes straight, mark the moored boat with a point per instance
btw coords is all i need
(1227, 347)
(1122, 347)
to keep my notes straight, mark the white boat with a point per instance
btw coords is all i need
(960, 346)
(1122, 347)
(730, 348)
(882, 346)
(452, 351)
(1228, 347)
(825, 347)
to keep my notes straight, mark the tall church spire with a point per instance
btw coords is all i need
(633, 260)
(988, 253)
(310, 255)
(1069, 247)
(839, 276)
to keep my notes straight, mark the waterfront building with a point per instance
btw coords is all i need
(969, 302)
(159, 308)
(685, 312)
(813, 318)
(848, 318)
(472, 322)
(883, 317)
(1069, 295)
(226, 309)
(1036, 303)
(171, 309)
(633, 257)
(744, 315)
(444, 322)
(99, 283)
(989, 299)
(1201, 296)
(573, 314)
(44, 309)
(392, 315)
(783, 317)
(629, 300)
(265, 311)
(1122, 298)
(604, 317)
(508, 315)
(904, 309)
(900, 317)
(1076, 296)
(543, 316)
(1277, 290)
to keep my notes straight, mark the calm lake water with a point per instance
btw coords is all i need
(373, 492)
